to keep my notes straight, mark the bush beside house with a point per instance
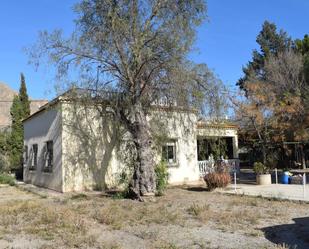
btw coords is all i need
(220, 178)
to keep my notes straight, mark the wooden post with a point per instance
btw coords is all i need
(304, 185)
(303, 161)
(235, 181)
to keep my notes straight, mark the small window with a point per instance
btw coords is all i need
(169, 152)
(34, 157)
(49, 155)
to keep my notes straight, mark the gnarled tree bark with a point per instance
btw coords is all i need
(144, 180)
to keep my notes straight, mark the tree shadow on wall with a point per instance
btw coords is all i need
(291, 235)
(90, 137)
(94, 142)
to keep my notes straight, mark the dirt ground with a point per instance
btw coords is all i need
(183, 218)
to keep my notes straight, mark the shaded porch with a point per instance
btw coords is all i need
(216, 142)
(214, 150)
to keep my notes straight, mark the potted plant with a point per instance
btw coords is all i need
(263, 176)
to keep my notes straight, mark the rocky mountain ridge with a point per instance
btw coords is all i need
(6, 98)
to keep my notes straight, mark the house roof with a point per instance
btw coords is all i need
(62, 97)
(201, 124)
(224, 124)
(44, 107)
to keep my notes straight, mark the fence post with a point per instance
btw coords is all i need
(276, 172)
(235, 181)
(304, 185)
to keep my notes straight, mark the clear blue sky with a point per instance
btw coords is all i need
(225, 41)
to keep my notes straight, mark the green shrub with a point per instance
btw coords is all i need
(120, 189)
(217, 180)
(259, 168)
(4, 164)
(7, 179)
(161, 177)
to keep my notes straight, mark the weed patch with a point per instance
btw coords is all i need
(7, 179)
(196, 209)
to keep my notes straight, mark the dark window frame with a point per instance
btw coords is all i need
(169, 152)
(34, 157)
(49, 156)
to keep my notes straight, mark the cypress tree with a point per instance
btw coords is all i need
(23, 97)
(20, 109)
(16, 138)
(4, 151)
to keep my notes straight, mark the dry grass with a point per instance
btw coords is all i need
(44, 221)
(164, 245)
(235, 218)
(79, 221)
(282, 246)
(118, 213)
(197, 209)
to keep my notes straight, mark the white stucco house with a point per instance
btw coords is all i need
(67, 148)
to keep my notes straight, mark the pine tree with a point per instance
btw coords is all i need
(271, 42)
(302, 46)
(20, 109)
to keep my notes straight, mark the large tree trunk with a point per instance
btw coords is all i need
(144, 180)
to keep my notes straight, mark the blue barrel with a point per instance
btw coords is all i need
(285, 178)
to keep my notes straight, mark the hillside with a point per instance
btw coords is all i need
(6, 98)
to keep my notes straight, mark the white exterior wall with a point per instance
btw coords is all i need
(180, 126)
(89, 146)
(39, 129)
(88, 154)
(91, 152)
(79, 151)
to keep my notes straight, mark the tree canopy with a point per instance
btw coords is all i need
(135, 47)
(302, 46)
(271, 42)
(275, 104)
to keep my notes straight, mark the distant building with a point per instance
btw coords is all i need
(6, 99)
